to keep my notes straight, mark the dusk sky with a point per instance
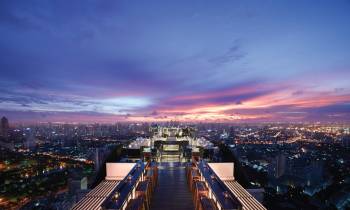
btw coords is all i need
(220, 61)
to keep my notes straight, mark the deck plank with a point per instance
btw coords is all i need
(172, 191)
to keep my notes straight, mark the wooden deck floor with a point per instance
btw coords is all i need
(172, 192)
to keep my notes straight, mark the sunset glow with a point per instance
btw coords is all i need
(234, 61)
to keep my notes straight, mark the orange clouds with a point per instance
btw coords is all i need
(288, 103)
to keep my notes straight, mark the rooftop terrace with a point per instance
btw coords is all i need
(172, 191)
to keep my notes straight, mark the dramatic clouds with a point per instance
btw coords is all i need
(108, 61)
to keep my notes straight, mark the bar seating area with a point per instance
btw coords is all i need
(206, 203)
(208, 191)
(131, 186)
(152, 175)
(194, 176)
(136, 204)
(213, 186)
(198, 188)
(145, 189)
(200, 192)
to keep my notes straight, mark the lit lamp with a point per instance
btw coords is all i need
(226, 194)
(116, 196)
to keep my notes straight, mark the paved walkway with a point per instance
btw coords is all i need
(172, 192)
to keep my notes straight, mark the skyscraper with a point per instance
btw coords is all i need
(97, 159)
(280, 165)
(346, 141)
(30, 139)
(4, 127)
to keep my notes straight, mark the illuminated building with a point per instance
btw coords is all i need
(29, 139)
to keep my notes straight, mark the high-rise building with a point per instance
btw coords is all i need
(77, 184)
(346, 141)
(4, 127)
(100, 156)
(30, 139)
(97, 159)
(280, 165)
(5, 142)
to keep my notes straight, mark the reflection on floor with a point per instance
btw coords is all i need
(172, 191)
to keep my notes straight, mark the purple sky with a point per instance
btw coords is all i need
(107, 61)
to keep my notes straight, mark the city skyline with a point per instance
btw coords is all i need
(237, 61)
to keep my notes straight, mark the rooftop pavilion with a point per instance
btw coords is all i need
(175, 148)
(149, 142)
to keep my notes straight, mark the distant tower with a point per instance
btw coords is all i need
(4, 127)
(30, 139)
(280, 165)
(4, 134)
(97, 159)
(346, 141)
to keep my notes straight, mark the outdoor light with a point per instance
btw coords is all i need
(226, 194)
(116, 196)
